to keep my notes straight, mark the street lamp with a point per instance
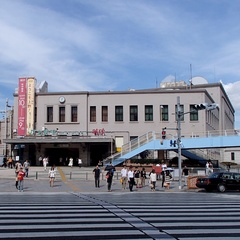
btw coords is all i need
(202, 106)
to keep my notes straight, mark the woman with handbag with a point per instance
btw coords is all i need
(109, 177)
(168, 178)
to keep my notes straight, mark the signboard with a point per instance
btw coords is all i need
(22, 106)
(30, 104)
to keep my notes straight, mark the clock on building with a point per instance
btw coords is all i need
(62, 99)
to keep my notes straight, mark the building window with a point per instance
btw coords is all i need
(133, 113)
(49, 114)
(74, 113)
(164, 113)
(92, 113)
(104, 113)
(232, 156)
(118, 113)
(148, 112)
(193, 113)
(181, 111)
(61, 114)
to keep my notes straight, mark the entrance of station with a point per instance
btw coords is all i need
(98, 152)
(60, 156)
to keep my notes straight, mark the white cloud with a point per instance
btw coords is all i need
(100, 45)
(232, 90)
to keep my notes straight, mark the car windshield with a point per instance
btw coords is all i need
(214, 175)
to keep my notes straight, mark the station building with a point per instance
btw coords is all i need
(94, 125)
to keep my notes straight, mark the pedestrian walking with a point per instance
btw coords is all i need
(20, 177)
(185, 173)
(80, 162)
(109, 177)
(45, 163)
(18, 166)
(26, 166)
(131, 178)
(10, 162)
(209, 167)
(51, 174)
(70, 164)
(97, 173)
(164, 166)
(124, 173)
(163, 178)
(168, 178)
(143, 176)
(137, 178)
(153, 179)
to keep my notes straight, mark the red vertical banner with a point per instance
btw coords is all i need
(22, 106)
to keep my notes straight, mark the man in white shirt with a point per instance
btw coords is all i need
(124, 175)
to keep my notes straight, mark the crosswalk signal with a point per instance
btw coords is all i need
(163, 134)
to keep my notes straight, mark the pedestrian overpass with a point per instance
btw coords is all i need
(154, 141)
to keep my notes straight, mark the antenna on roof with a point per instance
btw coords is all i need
(190, 76)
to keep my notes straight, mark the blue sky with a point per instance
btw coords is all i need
(99, 45)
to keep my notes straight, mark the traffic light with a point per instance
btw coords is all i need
(206, 106)
(163, 134)
(200, 106)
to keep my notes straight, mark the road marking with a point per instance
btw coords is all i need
(64, 179)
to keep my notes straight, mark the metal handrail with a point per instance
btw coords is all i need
(150, 136)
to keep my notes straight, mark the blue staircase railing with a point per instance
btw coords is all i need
(154, 141)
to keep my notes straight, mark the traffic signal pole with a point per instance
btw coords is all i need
(179, 114)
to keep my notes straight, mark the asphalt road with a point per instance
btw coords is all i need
(75, 209)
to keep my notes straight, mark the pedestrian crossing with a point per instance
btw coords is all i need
(182, 216)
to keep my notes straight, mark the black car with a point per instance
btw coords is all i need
(220, 181)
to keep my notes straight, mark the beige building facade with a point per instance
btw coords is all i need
(94, 125)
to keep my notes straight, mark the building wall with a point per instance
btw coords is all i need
(83, 101)
(208, 121)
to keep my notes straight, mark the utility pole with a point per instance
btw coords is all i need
(5, 145)
(179, 115)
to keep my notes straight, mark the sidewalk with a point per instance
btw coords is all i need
(68, 179)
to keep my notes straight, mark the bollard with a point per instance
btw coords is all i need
(36, 175)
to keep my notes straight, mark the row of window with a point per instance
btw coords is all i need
(133, 113)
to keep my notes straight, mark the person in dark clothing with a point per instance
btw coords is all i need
(97, 172)
(185, 173)
(163, 178)
(109, 177)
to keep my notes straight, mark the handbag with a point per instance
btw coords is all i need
(165, 184)
(150, 184)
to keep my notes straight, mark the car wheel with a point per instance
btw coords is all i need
(221, 188)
